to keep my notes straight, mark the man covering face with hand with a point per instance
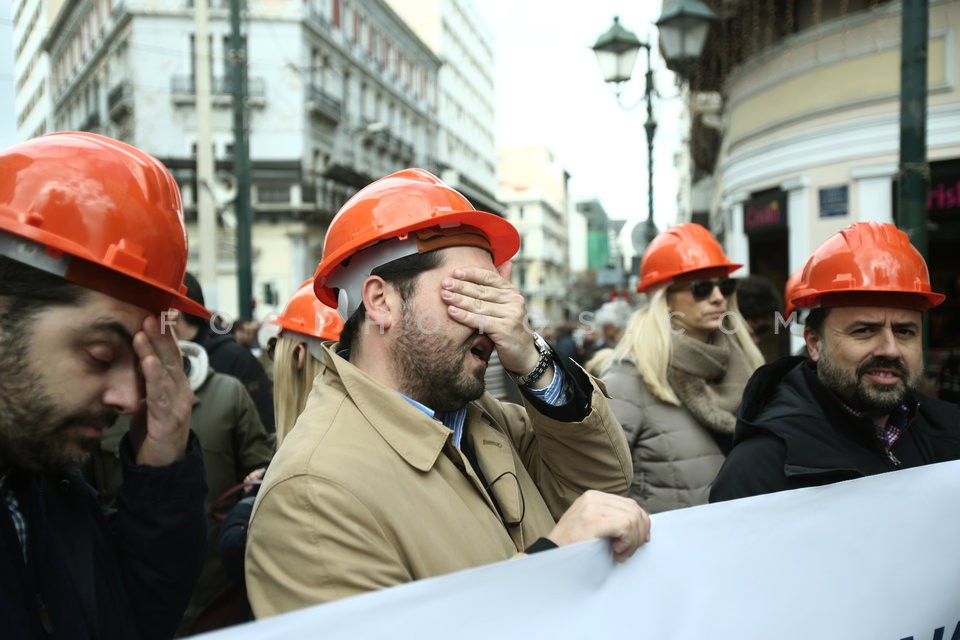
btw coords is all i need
(401, 467)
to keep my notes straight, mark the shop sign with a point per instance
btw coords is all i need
(765, 212)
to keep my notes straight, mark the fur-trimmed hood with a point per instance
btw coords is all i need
(196, 364)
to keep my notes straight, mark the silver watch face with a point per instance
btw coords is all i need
(542, 345)
(545, 355)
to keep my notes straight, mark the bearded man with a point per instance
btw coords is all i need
(401, 467)
(852, 409)
(92, 252)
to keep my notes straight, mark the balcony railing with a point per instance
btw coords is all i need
(216, 4)
(323, 105)
(120, 100)
(389, 143)
(91, 123)
(184, 88)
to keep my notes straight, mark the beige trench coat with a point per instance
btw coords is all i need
(369, 492)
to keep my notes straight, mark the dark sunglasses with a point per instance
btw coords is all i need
(701, 289)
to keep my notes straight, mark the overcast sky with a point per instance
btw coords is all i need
(550, 91)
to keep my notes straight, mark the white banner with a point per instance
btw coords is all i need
(877, 559)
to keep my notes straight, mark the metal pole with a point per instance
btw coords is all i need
(914, 171)
(914, 175)
(241, 162)
(206, 207)
(650, 126)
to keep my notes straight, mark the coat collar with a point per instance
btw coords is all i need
(415, 436)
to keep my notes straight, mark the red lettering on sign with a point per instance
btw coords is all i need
(766, 216)
(943, 197)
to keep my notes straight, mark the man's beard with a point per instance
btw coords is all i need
(859, 393)
(34, 434)
(430, 367)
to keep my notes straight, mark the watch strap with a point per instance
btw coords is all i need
(546, 357)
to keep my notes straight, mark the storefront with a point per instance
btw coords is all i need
(765, 225)
(943, 211)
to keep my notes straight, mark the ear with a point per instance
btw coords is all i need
(380, 301)
(300, 355)
(814, 343)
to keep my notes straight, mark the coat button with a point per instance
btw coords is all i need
(63, 486)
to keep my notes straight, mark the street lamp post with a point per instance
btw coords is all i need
(616, 50)
(683, 26)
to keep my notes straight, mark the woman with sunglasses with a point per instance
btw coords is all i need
(678, 373)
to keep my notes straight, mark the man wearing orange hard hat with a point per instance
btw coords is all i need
(401, 467)
(93, 250)
(852, 409)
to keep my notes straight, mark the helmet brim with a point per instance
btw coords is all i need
(503, 237)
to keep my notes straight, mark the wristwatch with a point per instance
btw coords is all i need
(546, 357)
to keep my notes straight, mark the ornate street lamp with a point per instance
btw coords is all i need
(616, 51)
(684, 25)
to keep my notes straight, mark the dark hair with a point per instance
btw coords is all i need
(402, 274)
(239, 323)
(815, 319)
(195, 293)
(757, 298)
(29, 290)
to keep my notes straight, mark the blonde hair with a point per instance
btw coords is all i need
(741, 334)
(647, 343)
(291, 385)
(598, 362)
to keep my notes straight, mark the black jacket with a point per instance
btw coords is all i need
(793, 432)
(232, 358)
(125, 573)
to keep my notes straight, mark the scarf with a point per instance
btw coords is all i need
(708, 379)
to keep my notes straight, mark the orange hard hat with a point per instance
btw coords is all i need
(97, 212)
(393, 208)
(788, 290)
(306, 315)
(683, 249)
(868, 264)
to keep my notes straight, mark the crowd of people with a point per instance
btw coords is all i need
(162, 475)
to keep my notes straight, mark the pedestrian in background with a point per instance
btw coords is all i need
(93, 248)
(245, 331)
(759, 303)
(678, 373)
(852, 408)
(401, 467)
(226, 355)
(607, 327)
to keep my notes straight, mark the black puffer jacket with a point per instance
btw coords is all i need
(121, 574)
(793, 432)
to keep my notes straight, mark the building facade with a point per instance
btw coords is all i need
(805, 138)
(455, 32)
(32, 104)
(339, 93)
(535, 189)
